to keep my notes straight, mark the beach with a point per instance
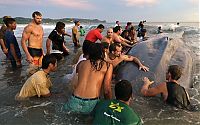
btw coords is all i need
(49, 111)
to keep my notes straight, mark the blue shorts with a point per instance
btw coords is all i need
(81, 105)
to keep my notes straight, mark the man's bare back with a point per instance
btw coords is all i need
(90, 80)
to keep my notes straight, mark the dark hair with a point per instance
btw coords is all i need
(128, 23)
(86, 47)
(81, 27)
(113, 46)
(123, 90)
(117, 22)
(9, 21)
(36, 13)
(59, 26)
(100, 26)
(116, 29)
(96, 53)
(124, 33)
(5, 18)
(47, 59)
(105, 45)
(175, 71)
(132, 28)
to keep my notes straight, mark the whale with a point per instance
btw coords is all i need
(158, 52)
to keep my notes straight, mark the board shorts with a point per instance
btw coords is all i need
(81, 105)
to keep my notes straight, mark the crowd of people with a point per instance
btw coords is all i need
(93, 73)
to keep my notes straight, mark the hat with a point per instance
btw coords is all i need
(76, 21)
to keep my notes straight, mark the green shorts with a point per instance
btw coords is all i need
(81, 105)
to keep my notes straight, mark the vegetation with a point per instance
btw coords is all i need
(22, 20)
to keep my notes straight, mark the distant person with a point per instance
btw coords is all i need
(125, 35)
(172, 92)
(14, 53)
(117, 23)
(2, 37)
(93, 74)
(82, 31)
(133, 35)
(58, 41)
(116, 57)
(177, 23)
(109, 36)
(128, 26)
(159, 30)
(140, 28)
(76, 34)
(143, 36)
(39, 83)
(117, 111)
(95, 34)
(33, 33)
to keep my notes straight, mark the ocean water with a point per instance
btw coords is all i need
(44, 111)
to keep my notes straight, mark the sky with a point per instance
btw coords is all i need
(109, 10)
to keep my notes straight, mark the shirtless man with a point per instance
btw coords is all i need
(116, 57)
(172, 92)
(76, 33)
(109, 37)
(93, 74)
(33, 33)
(117, 38)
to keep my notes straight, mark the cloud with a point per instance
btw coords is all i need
(77, 4)
(140, 3)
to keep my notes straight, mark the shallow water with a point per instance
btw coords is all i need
(45, 111)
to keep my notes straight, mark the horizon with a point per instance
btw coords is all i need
(112, 10)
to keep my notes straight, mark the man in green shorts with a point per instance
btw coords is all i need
(117, 111)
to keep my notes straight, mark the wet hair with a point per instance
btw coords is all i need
(59, 26)
(100, 26)
(124, 33)
(105, 45)
(9, 21)
(47, 59)
(132, 28)
(116, 29)
(113, 46)
(81, 27)
(96, 53)
(36, 13)
(86, 47)
(123, 90)
(175, 71)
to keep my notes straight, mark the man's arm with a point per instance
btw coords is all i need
(67, 34)
(5, 50)
(137, 61)
(12, 49)
(48, 45)
(146, 91)
(107, 83)
(25, 36)
(124, 41)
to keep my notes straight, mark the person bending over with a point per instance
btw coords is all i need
(39, 83)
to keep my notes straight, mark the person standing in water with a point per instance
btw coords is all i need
(57, 39)
(82, 31)
(76, 34)
(33, 33)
